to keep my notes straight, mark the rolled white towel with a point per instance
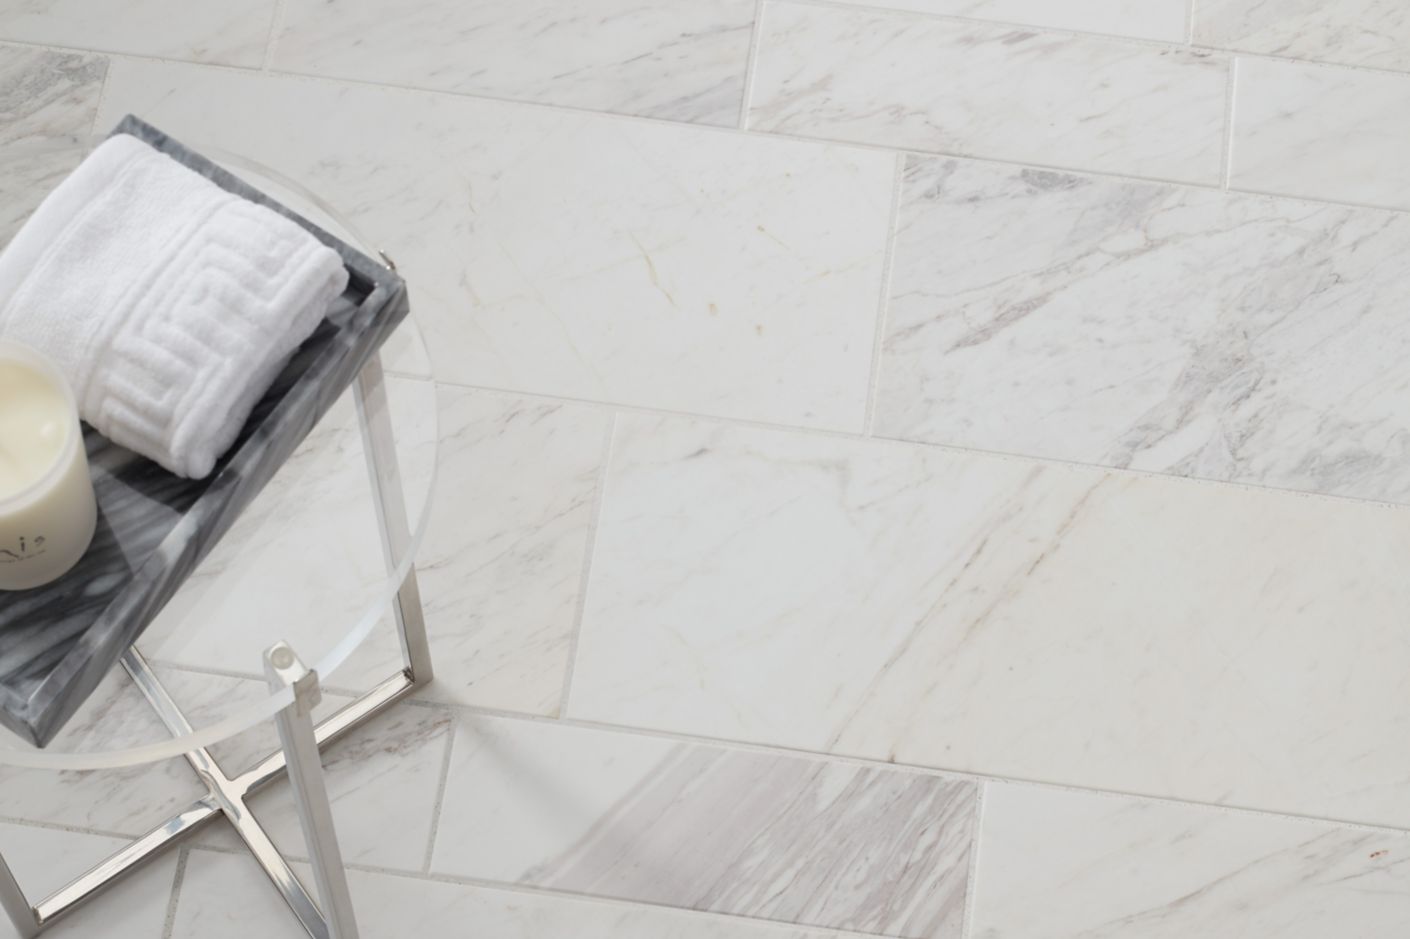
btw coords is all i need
(169, 303)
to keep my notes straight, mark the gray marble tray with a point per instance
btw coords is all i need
(57, 641)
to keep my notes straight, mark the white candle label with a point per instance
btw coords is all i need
(47, 510)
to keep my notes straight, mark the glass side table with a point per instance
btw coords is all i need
(289, 600)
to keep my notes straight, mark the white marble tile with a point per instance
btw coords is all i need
(44, 859)
(1062, 865)
(500, 571)
(225, 896)
(1321, 132)
(767, 835)
(1001, 616)
(1142, 19)
(216, 33)
(581, 255)
(45, 94)
(679, 61)
(382, 781)
(1210, 334)
(1354, 32)
(923, 83)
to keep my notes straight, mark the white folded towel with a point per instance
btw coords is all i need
(169, 303)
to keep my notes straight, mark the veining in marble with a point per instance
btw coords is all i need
(1353, 32)
(45, 859)
(1218, 335)
(1321, 132)
(225, 896)
(578, 255)
(679, 61)
(1001, 616)
(45, 94)
(924, 83)
(1062, 865)
(766, 835)
(215, 33)
(1142, 19)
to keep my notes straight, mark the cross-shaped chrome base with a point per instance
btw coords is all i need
(300, 739)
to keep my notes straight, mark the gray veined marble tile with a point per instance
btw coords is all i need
(1071, 865)
(922, 83)
(1001, 616)
(226, 896)
(764, 835)
(1354, 32)
(680, 61)
(47, 94)
(1218, 335)
(216, 33)
(1142, 19)
(1321, 132)
(582, 255)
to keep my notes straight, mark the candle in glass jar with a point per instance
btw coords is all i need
(47, 510)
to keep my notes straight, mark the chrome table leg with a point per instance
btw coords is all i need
(24, 916)
(305, 765)
(370, 394)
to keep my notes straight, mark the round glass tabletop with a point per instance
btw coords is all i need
(305, 563)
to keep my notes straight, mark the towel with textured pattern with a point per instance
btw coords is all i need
(170, 304)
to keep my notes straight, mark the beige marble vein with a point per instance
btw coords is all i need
(680, 61)
(1208, 334)
(756, 834)
(923, 83)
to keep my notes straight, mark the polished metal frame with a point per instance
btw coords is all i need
(331, 917)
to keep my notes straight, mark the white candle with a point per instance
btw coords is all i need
(47, 510)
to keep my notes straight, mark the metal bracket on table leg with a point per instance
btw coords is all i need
(305, 766)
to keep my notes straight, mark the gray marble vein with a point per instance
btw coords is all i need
(1208, 334)
(45, 94)
(766, 835)
(57, 641)
(1354, 32)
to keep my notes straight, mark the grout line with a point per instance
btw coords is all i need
(903, 443)
(751, 64)
(916, 769)
(883, 304)
(276, 20)
(440, 797)
(1227, 172)
(183, 854)
(589, 549)
(337, 82)
(537, 890)
(102, 96)
(971, 889)
(1190, 23)
(61, 826)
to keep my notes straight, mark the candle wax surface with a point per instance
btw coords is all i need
(34, 417)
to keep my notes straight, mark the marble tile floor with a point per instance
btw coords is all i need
(930, 469)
